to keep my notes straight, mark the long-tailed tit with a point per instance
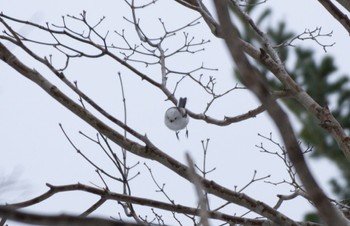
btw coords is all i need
(176, 118)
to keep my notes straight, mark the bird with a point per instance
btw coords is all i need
(176, 118)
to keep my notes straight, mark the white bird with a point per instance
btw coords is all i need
(176, 118)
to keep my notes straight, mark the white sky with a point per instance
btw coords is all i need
(34, 150)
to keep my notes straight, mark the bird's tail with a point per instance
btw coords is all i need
(182, 102)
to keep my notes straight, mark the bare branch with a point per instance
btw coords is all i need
(94, 207)
(57, 220)
(342, 18)
(309, 34)
(202, 202)
(295, 194)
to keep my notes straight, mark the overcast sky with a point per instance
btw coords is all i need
(34, 150)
